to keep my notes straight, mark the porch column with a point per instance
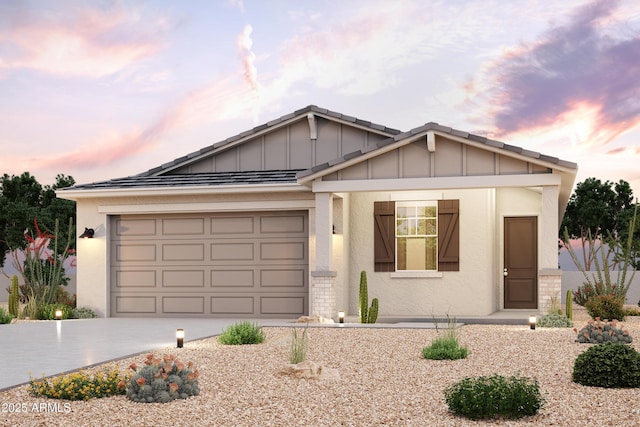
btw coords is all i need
(549, 274)
(323, 279)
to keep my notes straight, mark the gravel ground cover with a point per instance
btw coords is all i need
(383, 381)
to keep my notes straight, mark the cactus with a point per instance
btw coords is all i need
(597, 332)
(14, 297)
(367, 315)
(568, 305)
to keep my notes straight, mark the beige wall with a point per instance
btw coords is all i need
(471, 291)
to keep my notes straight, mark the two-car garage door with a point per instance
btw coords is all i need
(210, 265)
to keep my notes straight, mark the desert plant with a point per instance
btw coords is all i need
(554, 305)
(30, 309)
(597, 331)
(446, 346)
(242, 333)
(83, 313)
(568, 305)
(162, 380)
(554, 320)
(48, 311)
(367, 315)
(299, 345)
(610, 365)
(80, 385)
(5, 317)
(494, 396)
(14, 297)
(631, 311)
(606, 306)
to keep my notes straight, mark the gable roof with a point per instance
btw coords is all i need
(419, 132)
(269, 127)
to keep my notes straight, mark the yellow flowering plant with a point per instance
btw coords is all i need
(81, 385)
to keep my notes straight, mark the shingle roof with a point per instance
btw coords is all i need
(195, 179)
(432, 126)
(301, 113)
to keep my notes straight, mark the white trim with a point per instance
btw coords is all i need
(416, 274)
(156, 208)
(177, 191)
(449, 183)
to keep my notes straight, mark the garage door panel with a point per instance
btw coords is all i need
(183, 278)
(135, 253)
(290, 278)
(210, 265)
(183, 305)
(233, 278)
(282, 251)
(282, 305)
(183, 226)
(232, 306)
(135, 227)
(135, 305)
(183, 252)
(232, 225)
(280, 224)
(232, 251)
(135, 278)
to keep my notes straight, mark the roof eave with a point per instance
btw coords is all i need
(178, 191)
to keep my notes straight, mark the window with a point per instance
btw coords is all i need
(416, 236)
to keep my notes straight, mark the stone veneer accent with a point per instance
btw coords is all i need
(549, 286)
(323, 293)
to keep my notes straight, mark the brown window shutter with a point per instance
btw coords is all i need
(448, 235)
(384, 236)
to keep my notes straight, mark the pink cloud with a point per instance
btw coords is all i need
(584, 65)
(89, 42)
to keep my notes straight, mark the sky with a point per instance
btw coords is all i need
(105, 89)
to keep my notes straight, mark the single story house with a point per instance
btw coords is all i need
(280, 220)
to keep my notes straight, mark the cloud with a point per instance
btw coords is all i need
(243, 45)
(87, 42)
(587, 68)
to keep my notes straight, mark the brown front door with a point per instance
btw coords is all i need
(521, 262)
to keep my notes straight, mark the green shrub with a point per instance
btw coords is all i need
(597, 331)
(631, 311)
(554, 320)
(299, 344)
(5, 317)
(80, 385)
(162, 380)
(83, 313)
(48, 311)
(606, 306)
(445, 347)
(242, 333)
(611, 365)
(494, 396)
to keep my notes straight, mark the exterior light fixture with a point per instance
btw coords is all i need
(179, 338)
(532, 321)
(58, 314)
(88, 233)
(341, 316)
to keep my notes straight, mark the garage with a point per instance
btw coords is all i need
(236, 265)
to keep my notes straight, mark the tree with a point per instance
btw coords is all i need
(595, 211)
(23, 200)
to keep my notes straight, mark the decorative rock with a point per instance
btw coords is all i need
(311, 370)
(316, 318)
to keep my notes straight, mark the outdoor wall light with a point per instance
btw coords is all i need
(341, 316)
(532, 321)
(58, 314)
(88, 233)
(180, 338)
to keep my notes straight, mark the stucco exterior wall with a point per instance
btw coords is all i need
(470, 291)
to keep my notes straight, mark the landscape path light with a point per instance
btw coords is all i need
(180, 338)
